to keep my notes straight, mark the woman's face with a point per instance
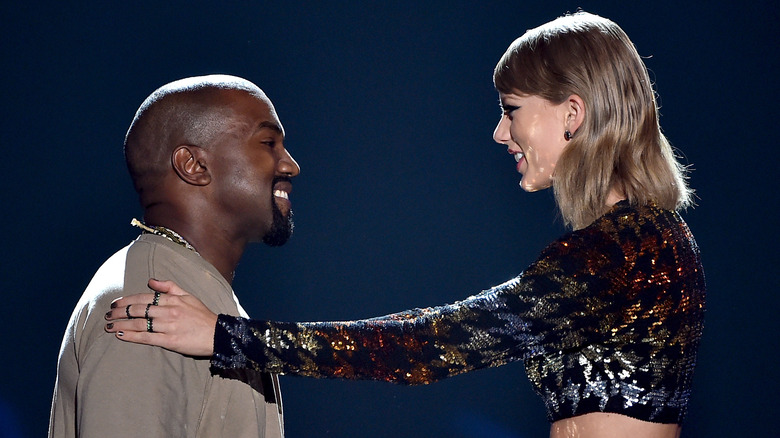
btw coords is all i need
(532, 129)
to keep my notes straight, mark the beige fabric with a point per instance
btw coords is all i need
(106, 387)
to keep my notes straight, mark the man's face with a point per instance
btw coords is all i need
(251, 170)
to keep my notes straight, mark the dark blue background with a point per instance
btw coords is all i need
(403, 199)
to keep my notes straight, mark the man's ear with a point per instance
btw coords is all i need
(575, 108)
(189, 162)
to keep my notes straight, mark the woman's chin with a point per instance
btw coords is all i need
(532, 186)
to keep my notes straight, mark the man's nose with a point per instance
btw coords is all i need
(287, 165)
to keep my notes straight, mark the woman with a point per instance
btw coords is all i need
(607, 319)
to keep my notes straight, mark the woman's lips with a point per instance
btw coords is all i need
(520, 158)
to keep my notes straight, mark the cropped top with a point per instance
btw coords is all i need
(607, 319)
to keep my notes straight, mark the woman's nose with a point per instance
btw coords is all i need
(501, 133)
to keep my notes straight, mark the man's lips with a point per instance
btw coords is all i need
(282, 186)
(282, 191)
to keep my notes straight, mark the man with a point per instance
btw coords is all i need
(207, 159)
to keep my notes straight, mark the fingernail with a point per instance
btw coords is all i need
(109, 326)
(113, 305)
(120, 333)
(108, 314)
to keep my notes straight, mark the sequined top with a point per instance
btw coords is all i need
(607, 319)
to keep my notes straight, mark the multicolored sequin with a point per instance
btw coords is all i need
(607, 319)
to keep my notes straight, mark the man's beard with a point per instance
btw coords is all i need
(281, 228)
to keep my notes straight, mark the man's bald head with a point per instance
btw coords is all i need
(191, 111)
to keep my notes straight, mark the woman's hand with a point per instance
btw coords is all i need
(179, 322)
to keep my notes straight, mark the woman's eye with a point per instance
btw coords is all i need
(509, 109)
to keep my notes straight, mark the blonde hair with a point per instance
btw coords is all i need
(619, 145)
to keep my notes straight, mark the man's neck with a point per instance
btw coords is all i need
(212, 243)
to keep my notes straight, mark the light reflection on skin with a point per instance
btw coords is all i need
(534, 127)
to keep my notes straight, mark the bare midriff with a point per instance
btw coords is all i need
(607, 425)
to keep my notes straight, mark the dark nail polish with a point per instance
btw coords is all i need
(110, 325)
(108, 314)
(120, 333)
(113, 305)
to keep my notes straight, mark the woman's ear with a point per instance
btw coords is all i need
(575, 108)
(189, 162)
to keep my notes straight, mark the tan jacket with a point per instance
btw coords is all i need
(106, 387)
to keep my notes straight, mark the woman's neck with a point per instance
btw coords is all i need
(614, 197)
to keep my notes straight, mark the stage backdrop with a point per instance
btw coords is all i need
(403, 198)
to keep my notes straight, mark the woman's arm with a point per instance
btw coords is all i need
(549, 307)
(558, 303)
(411, 347)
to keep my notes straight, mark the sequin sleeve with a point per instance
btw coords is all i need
(545, 308)
(574, 294)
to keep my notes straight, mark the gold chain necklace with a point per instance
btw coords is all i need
(161, 231)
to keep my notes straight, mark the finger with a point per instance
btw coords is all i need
(121, 311)
(158, 339)
(138, 325)
(128, 325)
(167, 287)
(131, 299)
(130, 311)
